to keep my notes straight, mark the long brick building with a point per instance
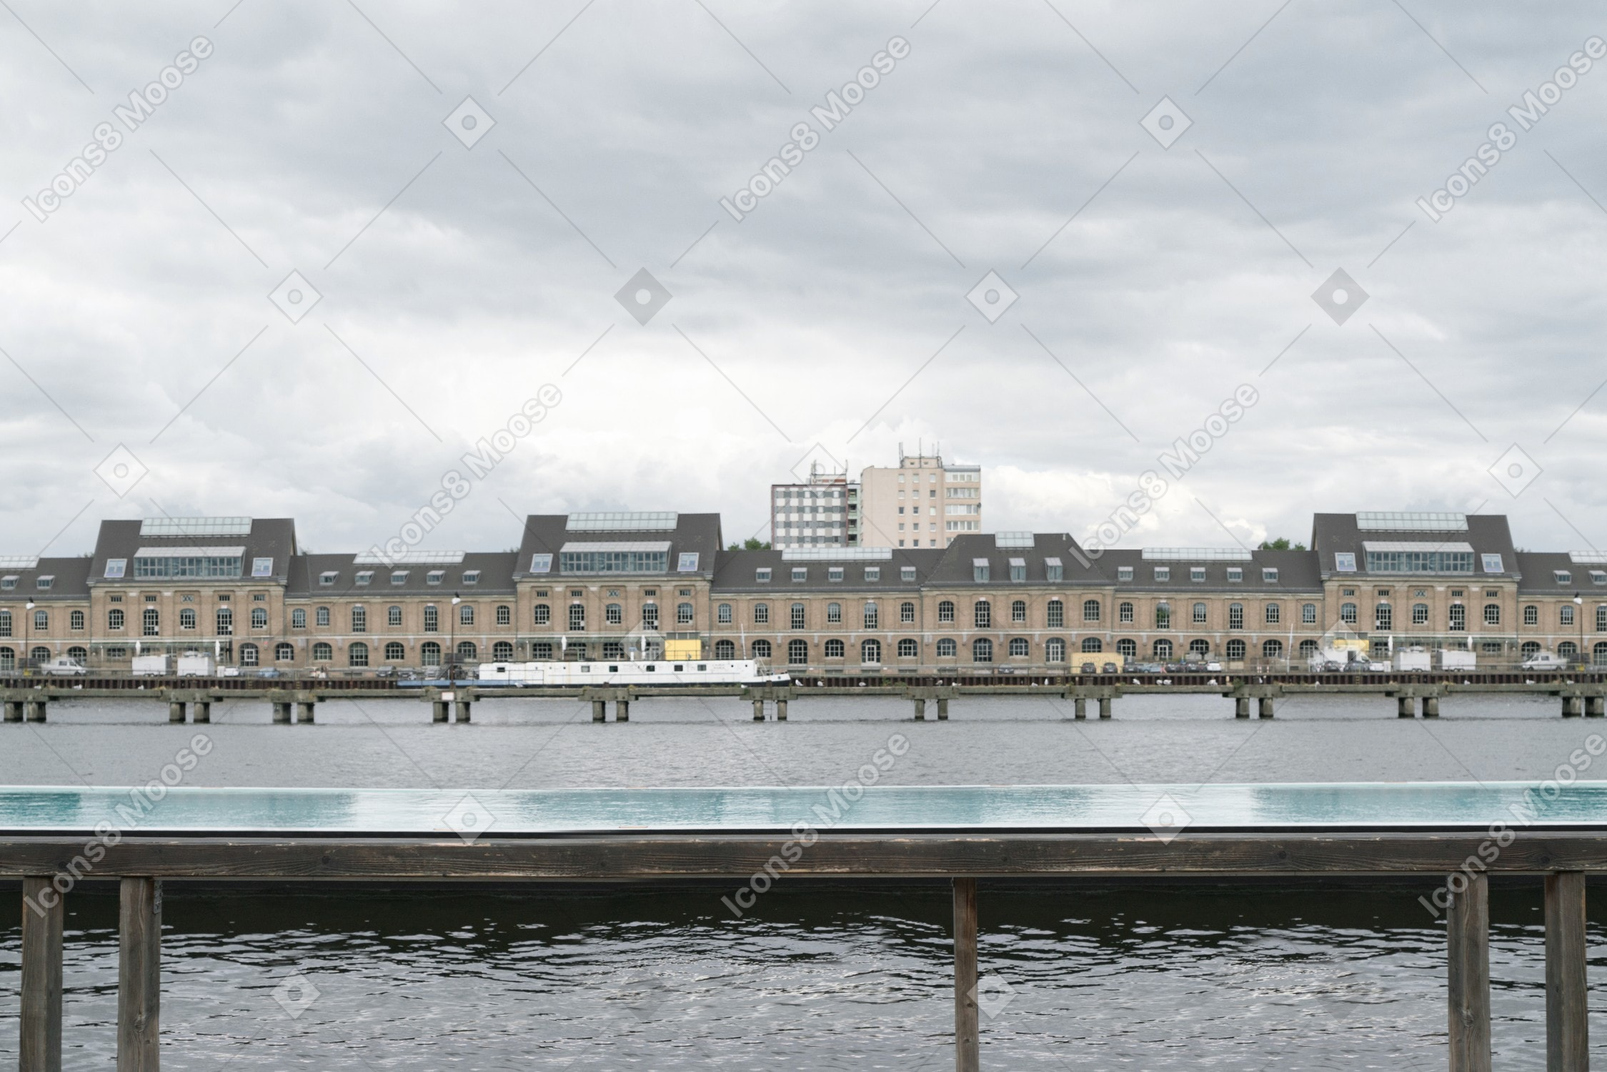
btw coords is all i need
(661, 585)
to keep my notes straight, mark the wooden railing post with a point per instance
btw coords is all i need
(967, 1056)
(1567, 1032)
(43, 911)
(1468, 942)
(139, 976)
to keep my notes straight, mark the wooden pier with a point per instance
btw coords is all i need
(896, 833)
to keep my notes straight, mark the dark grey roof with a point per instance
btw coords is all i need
(736, 571)
(546, 534)
(1486, 533)
(273, 537)
(1297, 572)
(307, 571)
(1540, 568)
(69, 581)
(960, 555)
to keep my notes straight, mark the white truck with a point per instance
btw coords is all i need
(1409, 660)
(1452, 659)
(153, 665)
(194, 664)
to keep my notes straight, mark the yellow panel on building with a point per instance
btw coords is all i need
(683, 649)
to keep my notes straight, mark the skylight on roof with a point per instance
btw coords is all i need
(421, 558)
(836, 554)
(1013, 539)
(1410, 521)
(19, 561)
(623, 521)
(195, 526)
(1577, 557)
(1197, 554)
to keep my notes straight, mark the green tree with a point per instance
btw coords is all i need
(750, 544)
(1280, 544)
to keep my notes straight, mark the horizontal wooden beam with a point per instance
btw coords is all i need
(669, 856)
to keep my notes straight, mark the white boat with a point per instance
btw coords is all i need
(661, 674)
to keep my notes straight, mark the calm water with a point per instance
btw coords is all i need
(1082, 976)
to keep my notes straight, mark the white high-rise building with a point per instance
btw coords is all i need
(822, 511)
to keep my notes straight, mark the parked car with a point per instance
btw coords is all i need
(63, 666)
(270, 671)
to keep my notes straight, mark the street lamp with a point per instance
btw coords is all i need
(1579, 613)
(452, 641)
(27, 636)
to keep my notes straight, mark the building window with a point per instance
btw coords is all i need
(543, 614)
(1273, 614)
(982, 614)
(1018, 610)
(1347, 613)
(1383, 616)
(871, 616)
(284, 652)
(796, 615)
(982, 650)
(947, 648)
(1235, 615)
(1567, 650)
(577, 616)
(906, 613)
(870, 652)
(761, 614)
(979, 569)
(1235, 650)
(1531, 615)
(395, 652)
(429, 653)
(835, 649)
(834, 613)
(41, 623)
(649, 615)
(1459, 617)
(357, 654)
(1054, 571)
(259, 617)
(504, 614)
(1127, 648)
(467, 650)
(1018, 569)
(798, 652)
(613, 614)
(1199, 614)
(683, 614)
(1161, 649)
(1272, 649)
(762, 575)
(399, 577)
(722, 614)
(1019, 648)
(1090, 610)
(322, 652)
(114, 620)
(1124, 613)
(1055, 618)
(187, 618)
(1492, 614)
(1200, 647)
(1124, 573)
(725, 650)
(298, 618)
(945, 611)
(1197, 574)
(761, 649)
(1269, 576)
(151, 622)
(359, 619)
(322, 615)
(225, 621)
(75, 621)
(1163, 573)
(1419, 613)
(1308, 613)
(1601, 618)
(1054, 650)
(466, 614)
(1566, 615)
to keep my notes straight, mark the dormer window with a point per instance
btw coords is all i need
(1124, 573)
(1344, 562)
(364, 577)
(762, 575)
(1054, 570)
(540, 563)
(117, 567)
(327, 578)
(399, 577)
(1163, 573)
(1197, 574)
(471, 576)
(1562, 576)
(1269, 576)
(1235, 574)
(800, 574)
(435, 576)
(47, 581)
(873, 573)
(260, 567)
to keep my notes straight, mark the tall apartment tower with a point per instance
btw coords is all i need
(822, 511)
(920, 503)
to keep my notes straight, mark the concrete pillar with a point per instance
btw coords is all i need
(1266, 707)
(1079, 707)
(440, 711)
(1572, 706)
(1104, 707)
(758, 710)
(781, 710)
(1404, 707)
(463, 710)
(13, 710)
(281, 711)
(599, 710)
(1595, 706)
(203, 711)
(622, 710)
(943, 710)
(175, 710)
(1241, 707)
(1431, 707)
(35, 711)
(304, 710)
(920, 709)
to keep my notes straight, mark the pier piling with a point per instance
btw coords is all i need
(175, 710)
(44, 910)
(942, 708)
(599, 710)
(1595, 706)
(1265, 707)
(203, 711)
(967, 1050)
(463, 709)
(1468, 953)
(1104, 707)
(622, 710)
(781, 709)
(34, 710)
(758, 709)
(139, 975)
(1567, 1030)
(1404, 707)
(920, 709)
(13, 710)
(1572, 706)
(1079, 708)
(281, 712)
(1431, 707)
(304, 711)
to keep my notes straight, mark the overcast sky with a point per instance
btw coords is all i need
(452, 281)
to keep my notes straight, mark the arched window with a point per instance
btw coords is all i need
(1090, 610)
(114, 620)
(1272, 649)
(1200, 646)
(298, 618)
(761, 614)
(75, 621)
(947, 648)
(1162, 649)
(1568, 650)
(259, 617)
(284, 652)
(908, 649)
(1124, 613)
(359, 619)
(982, 614)
(1199, 615)
(649, 615)
(1383, 616)
(1492, 615)
(1235, 650)
(798, 652)
(468, 650)
(1308, 648)
(248, 655)
(577, 616)
(982, 650)
(395, 652)
(8, 661)
(1092, 645)
(321, 616)
(543, 614)
(725, 650)
(1531, 615)
(835, 649)
(1530, 649)
(683, 614)
(1347, 613)
(1055, 614)
(393, 616)
(187, 618)
(1235, 615)
(906, 613)
(1420, 614)
(429, 653)
(945, 611)
(870, 652)
(151, 622)
(225, 621)
(834, 613)
(1019, 648)
(465, 613)
(1308, 613)
(322, 652)
(1054, 650)
(871, 616)
(1601, 617)
(81, 656)
(502, 651)
(1274, 613)
(761, 649)
(40, 656)
(613, 614)
(1018, 610)
(722, 614)
(1598, 654)
(1127, 649)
